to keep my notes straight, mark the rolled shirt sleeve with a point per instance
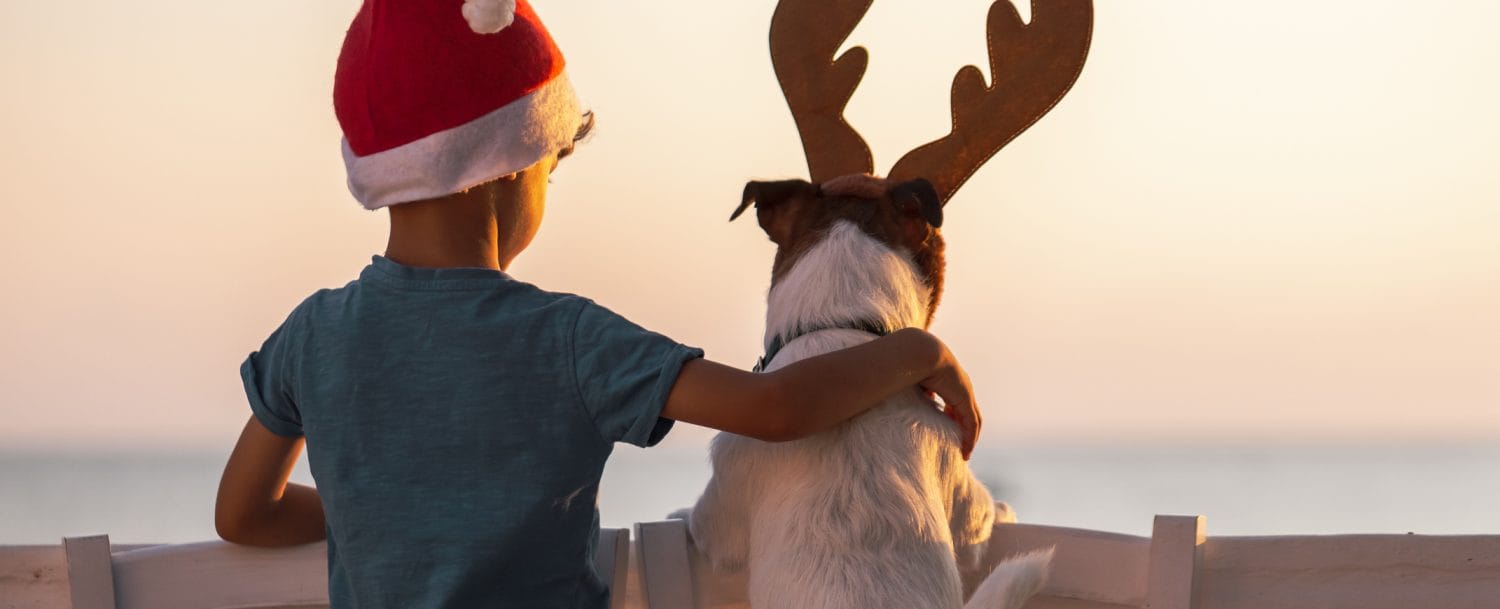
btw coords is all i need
(268, 383)
(624, 374)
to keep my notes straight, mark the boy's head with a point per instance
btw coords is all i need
(500, 216)
(431, 108)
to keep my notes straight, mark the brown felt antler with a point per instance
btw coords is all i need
(804, 36)
(1032, 65)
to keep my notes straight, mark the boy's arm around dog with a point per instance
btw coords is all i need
(815, 394)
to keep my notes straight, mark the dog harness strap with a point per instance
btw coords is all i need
(779, 341)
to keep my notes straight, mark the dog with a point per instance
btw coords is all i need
(881, 511)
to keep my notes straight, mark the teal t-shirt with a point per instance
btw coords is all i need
(457, 424)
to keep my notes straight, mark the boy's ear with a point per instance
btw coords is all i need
(918, 198)
(770, 200)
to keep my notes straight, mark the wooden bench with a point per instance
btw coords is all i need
(1178, 567)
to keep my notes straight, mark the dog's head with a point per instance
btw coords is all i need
(1032, 64)
(905, 216)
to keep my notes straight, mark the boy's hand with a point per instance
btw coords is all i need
(951, 384)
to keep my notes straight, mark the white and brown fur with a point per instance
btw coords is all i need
(881, 511)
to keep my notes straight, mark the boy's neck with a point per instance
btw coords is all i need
(457, 231)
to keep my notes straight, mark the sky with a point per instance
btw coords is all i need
(1253, 225)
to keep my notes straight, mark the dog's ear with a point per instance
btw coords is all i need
(770, 194)
(770, 199)
(918, 198)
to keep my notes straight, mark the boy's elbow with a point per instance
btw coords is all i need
(229, 530)
(234, 525)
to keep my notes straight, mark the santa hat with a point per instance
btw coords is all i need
(435, 98)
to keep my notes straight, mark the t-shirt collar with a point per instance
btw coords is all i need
(383, 268)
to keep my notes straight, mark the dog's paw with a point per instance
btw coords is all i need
(1003, 512)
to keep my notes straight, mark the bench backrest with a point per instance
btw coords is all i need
(1174, 568)
(218, 575)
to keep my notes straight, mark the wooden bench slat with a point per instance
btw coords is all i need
(611, 562)
(218, 574)
(1086, 565)
(1352, 571)
(666, 571)
(91, 580)
(1176, 557)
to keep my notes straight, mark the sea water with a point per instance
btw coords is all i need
(1242, 488)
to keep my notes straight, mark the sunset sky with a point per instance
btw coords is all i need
(1252, 221)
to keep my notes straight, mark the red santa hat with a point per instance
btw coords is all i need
(435, 98)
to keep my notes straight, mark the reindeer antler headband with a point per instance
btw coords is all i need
(1032, 66)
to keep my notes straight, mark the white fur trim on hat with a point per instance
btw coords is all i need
(489, 16)
(502, 142)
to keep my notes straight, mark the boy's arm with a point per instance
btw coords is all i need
(256, 506)
(815, 394)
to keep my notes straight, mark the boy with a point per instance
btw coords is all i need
(457, 421)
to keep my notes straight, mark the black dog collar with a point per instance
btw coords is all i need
(779, 341)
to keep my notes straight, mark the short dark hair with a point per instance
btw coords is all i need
(585, 128)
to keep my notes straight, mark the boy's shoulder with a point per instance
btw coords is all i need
(377, 289)
(399, 301)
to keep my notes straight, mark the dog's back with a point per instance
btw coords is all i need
(840, 528)
(857, 517)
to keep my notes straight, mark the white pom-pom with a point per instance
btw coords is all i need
(489, 16)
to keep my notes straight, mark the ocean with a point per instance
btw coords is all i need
(1242, 488)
